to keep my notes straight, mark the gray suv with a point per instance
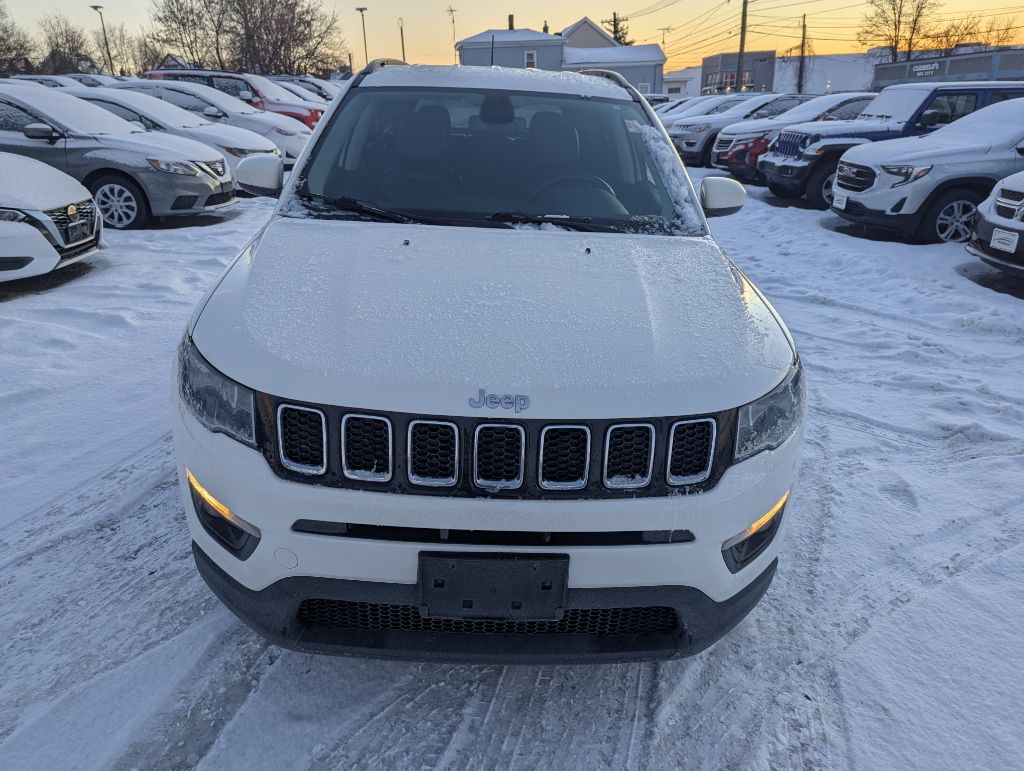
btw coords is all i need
(133, 176)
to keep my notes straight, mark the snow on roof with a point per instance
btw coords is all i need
(588, 21)
(510, 36)
(506, 78)
(642, 54)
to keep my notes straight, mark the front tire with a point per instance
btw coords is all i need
(819, 184)
(121, 202)
(951, 218)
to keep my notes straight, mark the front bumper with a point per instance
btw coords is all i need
(691, 146)
(857, 212)
(787, 174)
(741, 163)
(26, 252)
(980, 246)
(691, 576)
(274, 613)
(173, 195)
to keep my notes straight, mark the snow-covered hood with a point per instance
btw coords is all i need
(163, 146)
(275, 120)
(1013, 182)
(847, 128)
(758, 126)
(419, 318)
(911, 150)
(30, 184)
(220, 135)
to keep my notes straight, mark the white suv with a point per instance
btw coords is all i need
(929, 187)
(485, 387)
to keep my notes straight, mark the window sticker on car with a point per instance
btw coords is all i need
(1005, 240)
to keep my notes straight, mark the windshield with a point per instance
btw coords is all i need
(898, 104)
(809, 111)
(213, 96)
(999, 125)
(741, 107)
(155, 109)
(270, 89)
(461, 156)
(706, 106)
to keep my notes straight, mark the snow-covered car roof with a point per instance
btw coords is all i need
(26, 183)
(72, 113)
(500, 78)
(221, 100)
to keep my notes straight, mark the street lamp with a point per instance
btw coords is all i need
(362, 13)
(401, 32)
(106, 43)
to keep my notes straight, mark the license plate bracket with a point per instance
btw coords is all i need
(1005, 240)
(503, 587)
(78, 231)
(839, 201)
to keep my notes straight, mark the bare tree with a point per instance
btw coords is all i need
(956, 32)
(1001, 31)
(16, 46)
(182, 25)
(66, 45)
(274, 36)
(898, 25)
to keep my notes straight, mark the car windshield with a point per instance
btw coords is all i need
(896, 104)
(218, 99)
(808, 111)
(270, 89)
(706, 106)
(157, 110)
(498, 158)
(1000, 125)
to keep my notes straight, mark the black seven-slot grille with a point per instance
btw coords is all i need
(461, 456)
(375, 617)
(852, 176)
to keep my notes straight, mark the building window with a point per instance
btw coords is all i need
(729, 80)
(675, 89)
(530, 59)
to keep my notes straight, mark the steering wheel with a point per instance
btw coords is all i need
(578, 180)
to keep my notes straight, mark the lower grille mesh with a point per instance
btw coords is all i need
(373, 617)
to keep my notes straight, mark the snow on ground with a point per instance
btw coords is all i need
(891, 637)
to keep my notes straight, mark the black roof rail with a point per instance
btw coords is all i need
(616, 78)
(373, 66)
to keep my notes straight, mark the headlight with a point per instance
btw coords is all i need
(906, 174)
(701, 128)
(285, 132)
(10, 215)
(175, 167)
(772, 419)
(219, 403)
(238, 152)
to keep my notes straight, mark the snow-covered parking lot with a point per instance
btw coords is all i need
(891, 638)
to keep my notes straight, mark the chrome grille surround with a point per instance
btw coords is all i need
(301, 468)
(576, 485)
(361, 474)
(619, 483)
(432, 481)
(696, 478)
(499, 484)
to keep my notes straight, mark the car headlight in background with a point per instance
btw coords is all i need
(701, 128)
(11, 215)
(175, 167)
(772, 419)
(906, 174)
(285, 132)
(216, 401)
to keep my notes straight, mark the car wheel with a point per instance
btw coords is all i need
(819, 185)
(951, 218)
(782, 192)
(121, 202)
(705, 156)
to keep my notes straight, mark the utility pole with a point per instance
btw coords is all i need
(615, 21)
(803, 58)
(664, 31)
(106, 43)
(743, 46)
(451, 12)
(366, 51)
(401, 32)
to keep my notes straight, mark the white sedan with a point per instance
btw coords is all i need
(47, 219)
(154, 114)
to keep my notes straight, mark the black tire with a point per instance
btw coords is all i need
(950, 218)
(705, 156)
(121, 202)
(782, 192)
(819, 184)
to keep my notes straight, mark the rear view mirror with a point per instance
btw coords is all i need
(212, 112)
(261, 175)
(720, 196)
(930, 118)
(40, 131)
(245, 96)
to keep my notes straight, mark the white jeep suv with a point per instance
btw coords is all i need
(485, 388)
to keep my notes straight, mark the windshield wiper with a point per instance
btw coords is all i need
(355, 206)
(583, 224)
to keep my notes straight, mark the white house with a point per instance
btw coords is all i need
(685, 82)
(580, 46)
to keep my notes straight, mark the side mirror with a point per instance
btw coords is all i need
(1020, 149)
(245, 96)
(929, 118)
(40, 131)
(720, 196)
(261, 175)
(212, 112)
